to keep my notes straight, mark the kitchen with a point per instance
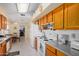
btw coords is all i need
(52, 29)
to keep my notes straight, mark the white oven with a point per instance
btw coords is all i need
(42, 47)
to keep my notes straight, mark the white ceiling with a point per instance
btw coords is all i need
(13, 15)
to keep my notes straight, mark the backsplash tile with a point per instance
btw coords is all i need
(73, 34)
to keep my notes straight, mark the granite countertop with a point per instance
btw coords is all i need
(6, 38)
(64, 48)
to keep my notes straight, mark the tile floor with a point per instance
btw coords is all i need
(24, 47)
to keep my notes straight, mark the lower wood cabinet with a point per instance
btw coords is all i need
(3, 49)
(51, 51)
(59, 53)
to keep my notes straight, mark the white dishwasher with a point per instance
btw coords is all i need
(8, 46)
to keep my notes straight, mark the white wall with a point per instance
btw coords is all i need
(69, 32)
(27, 30)
(12, 29)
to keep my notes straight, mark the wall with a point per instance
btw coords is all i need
(31, 31)
(27, 31)
(69, 32)
(2, 11)
(14, 28)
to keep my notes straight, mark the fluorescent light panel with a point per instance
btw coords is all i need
(22, 7)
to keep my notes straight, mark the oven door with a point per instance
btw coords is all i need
(42, 49)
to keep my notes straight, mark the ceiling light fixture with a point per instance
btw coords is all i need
(22, 7)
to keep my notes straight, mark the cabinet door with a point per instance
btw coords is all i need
(45, 19)
(50, 17)
(39, 22)
(72, 16)
(42, 21)
(3, 22)
(51, 48)
(49, 53)
(58, 17)
(0, 22)
(3, 49)
(59, 53)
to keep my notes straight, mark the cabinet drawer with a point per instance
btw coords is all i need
(51, 48)
(59, 53)
(49, 53)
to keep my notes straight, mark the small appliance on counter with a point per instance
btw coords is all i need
(63, 39)
(75, 41)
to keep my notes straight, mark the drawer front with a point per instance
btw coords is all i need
(59, 53)
(49, 53)
(51, 48)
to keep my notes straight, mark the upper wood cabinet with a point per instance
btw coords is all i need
(3, 22)
(39, 22)
(45, 19)
(0, 22)
(58, 17)
(65, 17)
(71, 17)
(42, 21)
(50, 17)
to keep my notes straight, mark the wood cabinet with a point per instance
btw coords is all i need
(3, 22)
(71, 18)
(65, 17)
(39, 22)
(42, 21)
(3, 49)
(58, 17)
(45, 19)
(50, 17)
(51, 51)
(0, 22)
(59, 53)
